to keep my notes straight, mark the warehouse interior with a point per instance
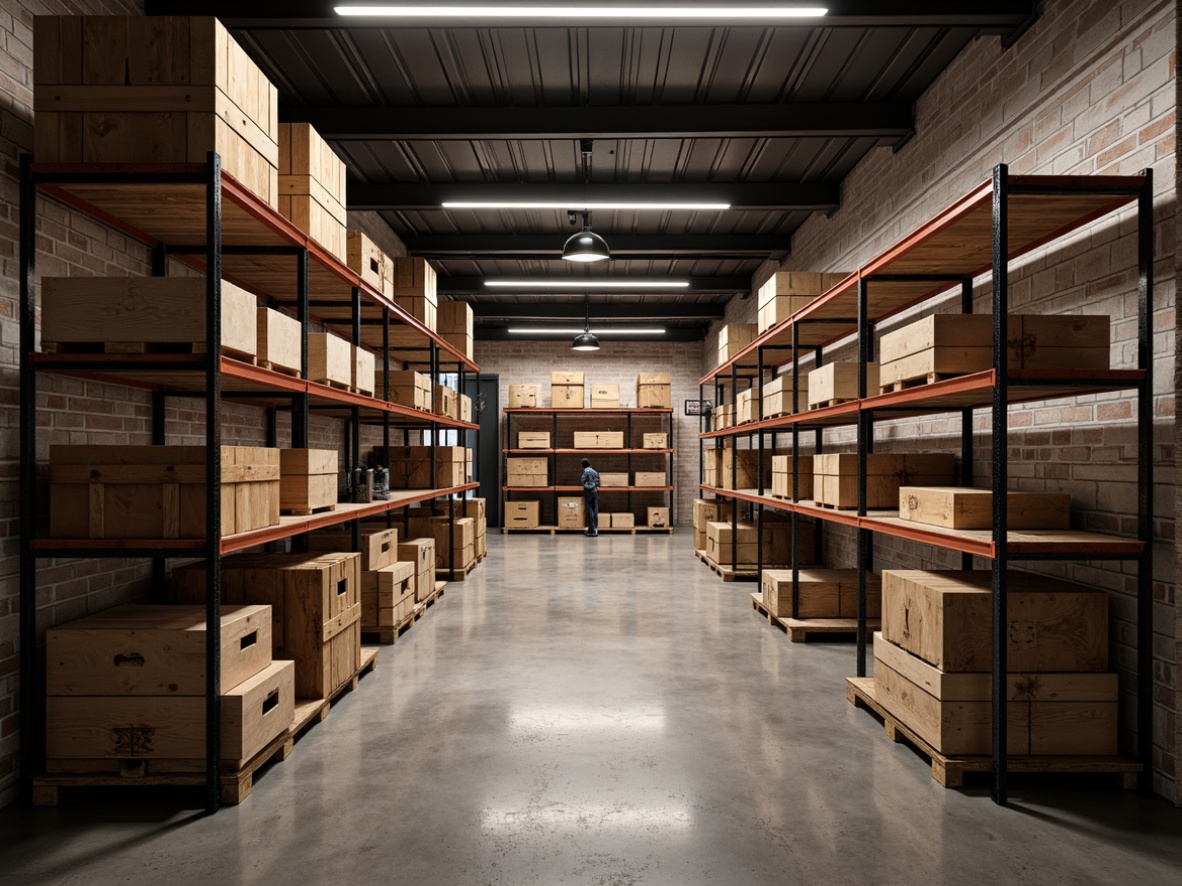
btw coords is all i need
(863, 316)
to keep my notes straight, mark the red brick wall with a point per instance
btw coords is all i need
(1090, 89)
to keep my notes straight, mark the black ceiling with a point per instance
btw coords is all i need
(768, 119)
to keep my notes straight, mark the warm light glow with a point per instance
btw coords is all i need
(576, 205)
(587, 283)
(575, 11)
(573, 330)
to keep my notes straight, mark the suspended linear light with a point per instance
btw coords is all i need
(572, 330)
(587, 283)
(580, 205)
(575, 11)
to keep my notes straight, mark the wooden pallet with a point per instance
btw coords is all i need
(282, 370)
(389, 636)
(800, 629)
(919, 380)
(234, 787)
(728, 573)
(950, 771)
(457, 574)
(307, 512)
(825, 404)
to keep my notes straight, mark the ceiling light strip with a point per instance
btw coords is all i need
(575, 205)
(587, 283)
(575, 11)
(573, 330)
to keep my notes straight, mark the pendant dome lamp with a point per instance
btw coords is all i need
(585, 341)
(586, 246)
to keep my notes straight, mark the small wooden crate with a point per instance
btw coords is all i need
(309, 480)
(533, 440)
(142, 315)
(945, 619)
(421, 552)
(413, 288)
(568, 396)
(782, 477)
(655, 441)
(1067, 714)
(410, 388)
(650, 478)
(153, 89)
(658, 517)
(446, 402)
(168, 732)
(522, 396)
(777, 396)
(315, 609)
(734, 337)
(387, 596)
(605, 396)
(598, 439)
(824, 593)
(835, 477)
(330, 360)
(379, 546)
(786, 292)
(157, 491)
(462, 536)
(363, 374)
(153, 650)
(368, 261)
(456, 325)
(279, 342)
(312, 187)
(956, 507)
(838, 382)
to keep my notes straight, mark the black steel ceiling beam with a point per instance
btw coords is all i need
(548, 245)
(992, 15)
(671, 334)
(540, 311)
(807, 196)
(820, 120)
(475, 285)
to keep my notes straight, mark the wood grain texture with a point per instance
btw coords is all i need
(960, 508)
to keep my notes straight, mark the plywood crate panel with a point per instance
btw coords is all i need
(410, 467)
(945, 619)
(521, 396)
(122, 312)
(363, 375)
(153, 89)
(411, 389)
(367, 260)
(387, 595)
(959, 508)
(835, 477)
(330, 360)
(153, 650)
(420, 552)
(309, 480)
(522, 514)
(839, 382)
(157, 491)
(1048, 714)
(378, 546)
(786, 292)
(171, 729)
(278, 341)
(598, 439)
(782, 476)
(824, 593)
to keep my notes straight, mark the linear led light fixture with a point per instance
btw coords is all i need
(575, 11)
(580, 205)
(588, 283)
(574, 330)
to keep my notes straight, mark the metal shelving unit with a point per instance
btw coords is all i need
(1002, 220)
(551, 454)
(205, 219)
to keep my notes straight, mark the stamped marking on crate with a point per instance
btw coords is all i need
(950, 771)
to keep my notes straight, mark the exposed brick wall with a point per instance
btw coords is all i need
(615, 363)
(1090, 89)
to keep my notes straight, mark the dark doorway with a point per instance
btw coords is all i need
(486, 399)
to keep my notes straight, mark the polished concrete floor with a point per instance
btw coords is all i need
(601, 712)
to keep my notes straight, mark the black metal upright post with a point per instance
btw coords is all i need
(1145, 482)
(795, 471)
(299, 402)
(757, 394)
(966, 421)
(32, 731)
(355, 412)
(159, 436)
(702, 428)
(734, 468)
(1000, 475)
(386, 398)
(865, 433)
(213, 489)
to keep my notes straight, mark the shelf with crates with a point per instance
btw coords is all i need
(945, 363)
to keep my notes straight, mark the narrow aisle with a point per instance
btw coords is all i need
(601, 712)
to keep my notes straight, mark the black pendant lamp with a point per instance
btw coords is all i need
(586, 246)
(585, 341)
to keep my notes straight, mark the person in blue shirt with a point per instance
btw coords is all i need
(591, 497)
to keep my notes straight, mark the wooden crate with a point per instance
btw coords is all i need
(568, 396)
(410, 467)
(523, 396)
(786, 292)
(309, 480)
(598, 439)
(739, 469)
(572, 512)
(838, 382)
(734, 337)
(1051, 714)
(413, 288)
(456, 325)
(378, 546)
(777, 543)
(959, 508)
(143, 314)
(410, 388)
(153, 650)
(824, 593)
(462, 532)
(945, 618)
(954, 344)
(527, 472)
(387, 595)
(658, 518)
(153, 89)
(465, 410)
(782, 477)
(609, 479)
(169, 731)
(777, 396)
(157, 491)
(745, 410)
(655, 395)
(655, 441)
(835, 477)
(446, 402)
(312, 187)
(650, 478)
(330, 360)
(420, 552)
(567, 377)
(522, 514)
(315, 609)
(368, 261)
(708, 510)
(605, 396)
(278, 342)
(363, 375)
(533, 440)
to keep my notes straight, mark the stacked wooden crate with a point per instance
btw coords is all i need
(786, 292)
(126, 690)
(527, 472)
(654, 391)
(410, 467)
(387, 585)
(476, 509)
(823, 593)
(411, 389)
(309, 481)
(733, 338)
(706, 511)
(782, 467)
(835, 477)
(368, 261)
(312, 187)
(315, 602)
(457, 325)
(153, 89)
(453, 536)
(420, 552)
(777, 543)
(933, 662)
(413, 288)
(567, 390)
(777, 396)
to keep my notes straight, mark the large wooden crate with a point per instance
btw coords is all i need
(312, 187)
(824, 593)
(953, 344)
(153, 89)
(410, 467)
(708, 510)
(786, 292)
(315, 609)
(653, 391)
(420, 552)
(153, 650)
(387, 596)
(413, 288)
(330, 360)
(157, 491)
(309, 480)
(782, 476)
(777, 396)
(835, 477)
(279, 341)
(378, 545)
(838, 382)
(143, 314)
(777, 543)
(461, 534)
(456, 325)
(1048, 714)
(959, 508)
(364, 374)
(169, 732)
(411, 389)
(733, 337)
(522, 514)
(369, 262)
(945, 618)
